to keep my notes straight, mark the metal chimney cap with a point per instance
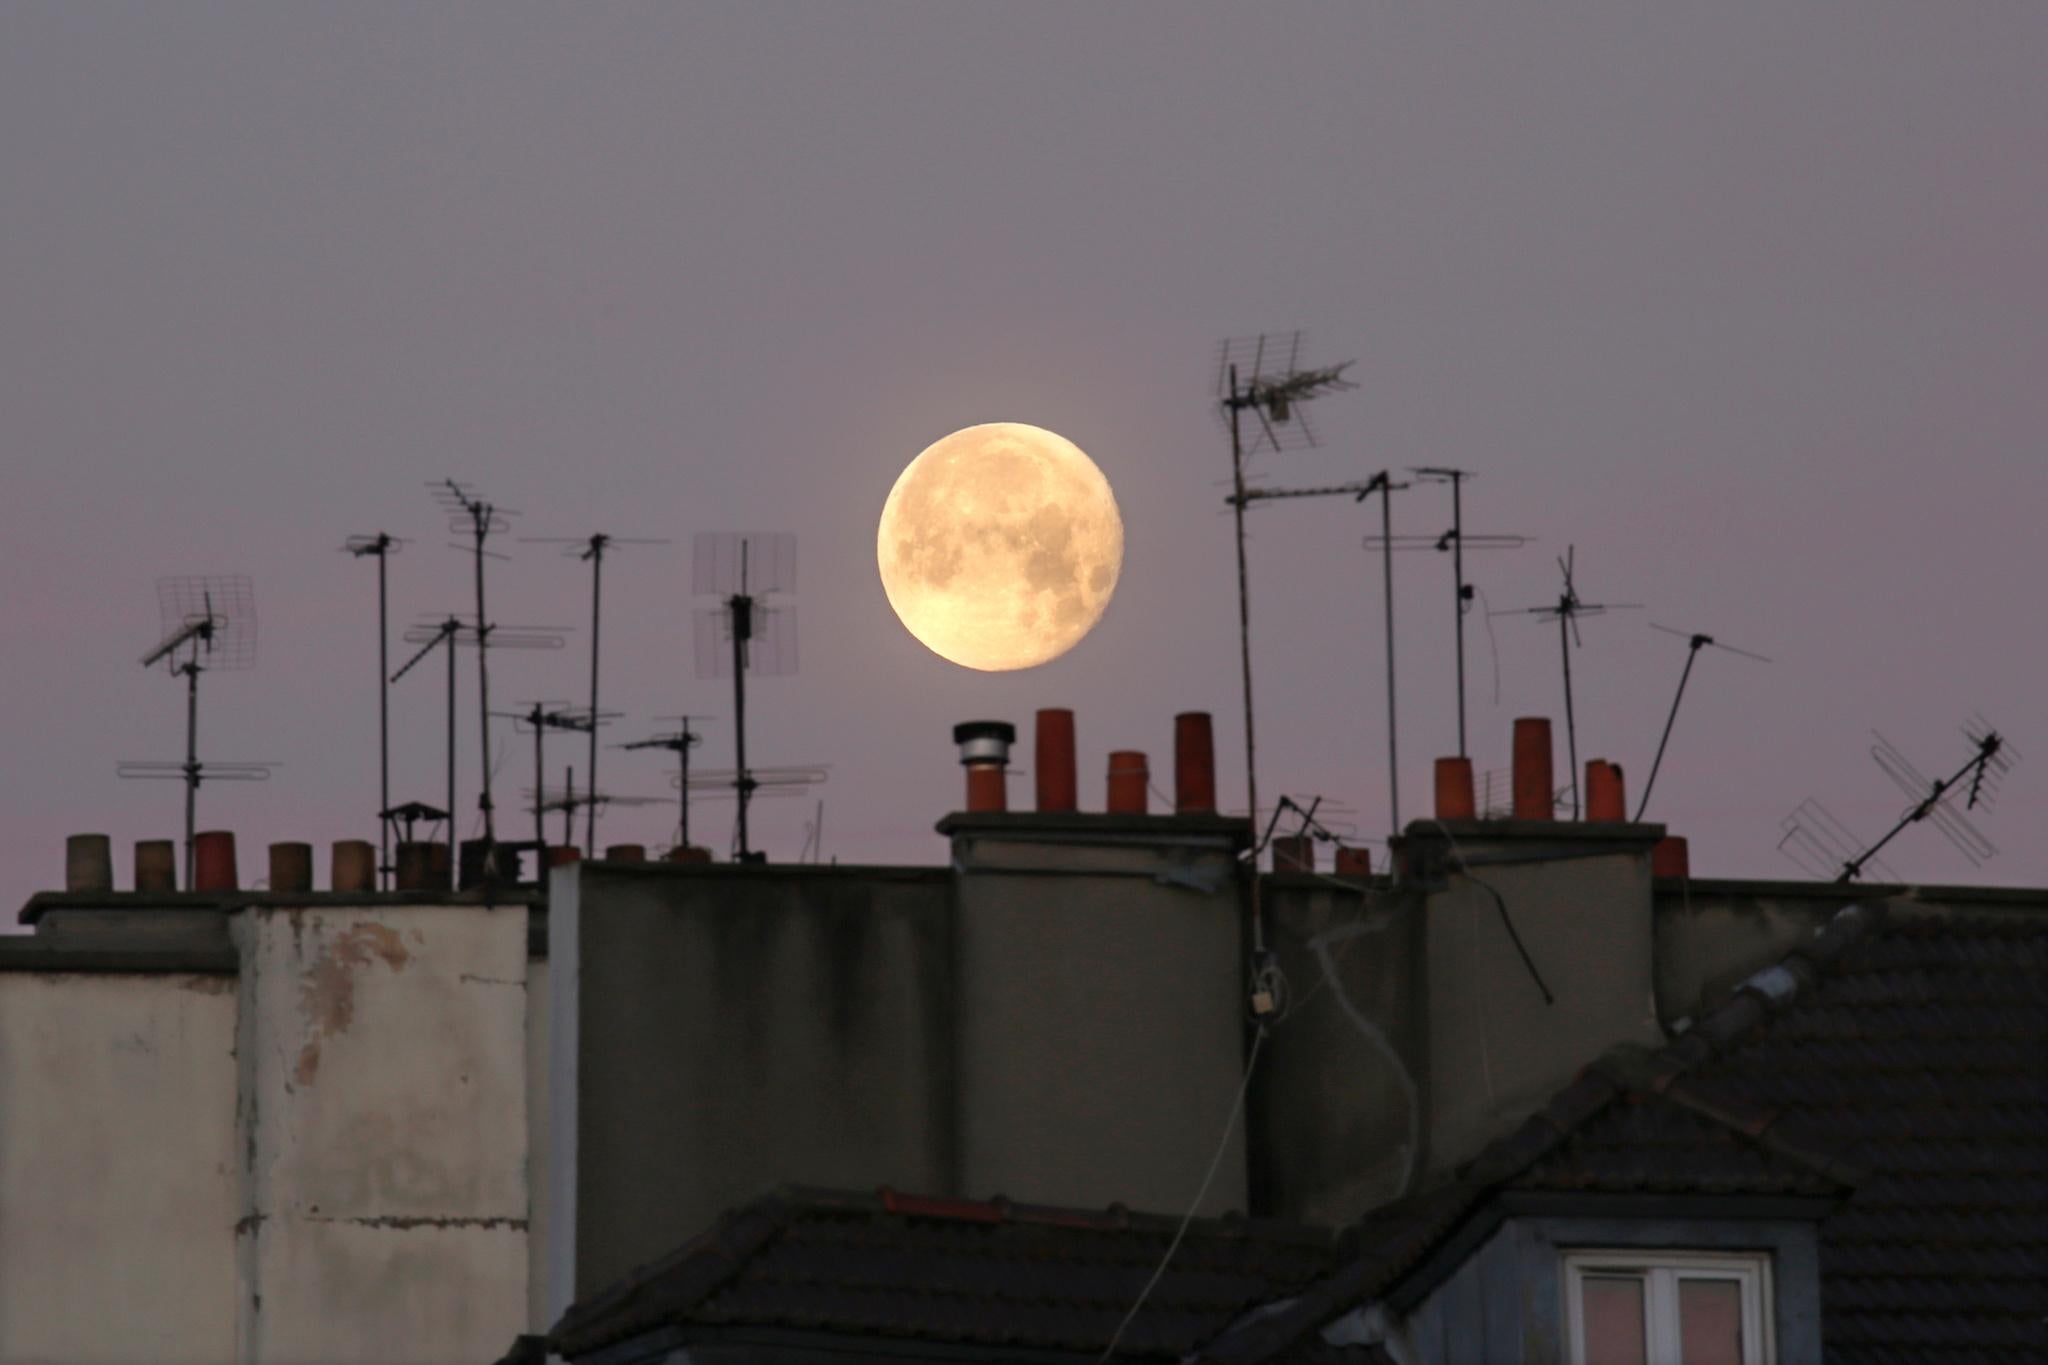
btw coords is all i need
(984, 729)
(984, 741)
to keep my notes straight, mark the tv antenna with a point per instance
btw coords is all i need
(568, 800)
(537, 719)
(1455, 543)
(479, 519)
(382, 545)
(1697, 642)
(451, 631)
(591, 549)
(678, 742)
(1253, 377)
(741, 569)
(1381, 483)
(1975, 783)
(719, 784)
(209, 624)
(1566, 612)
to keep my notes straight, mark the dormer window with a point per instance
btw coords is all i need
(1639, 1307)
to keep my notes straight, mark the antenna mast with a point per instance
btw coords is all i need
(211, 617)
(1696, 644)
(1567, 611)
(383, 545)
(1250, 380)
(1381, 483)
(591, 549)
(1456, 542)
(743, 569)
(678, 742)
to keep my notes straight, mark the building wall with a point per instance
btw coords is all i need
(382, 1116)
(118, 1167)
(1338, 1111)
(1100, 1019)
(721, 1030)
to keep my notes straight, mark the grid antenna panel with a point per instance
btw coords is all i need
(771, 650)
(723, 563)
(226, 602)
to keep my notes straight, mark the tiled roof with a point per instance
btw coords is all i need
(990, 1275)
(1902, 1061)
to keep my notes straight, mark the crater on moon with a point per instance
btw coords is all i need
(1000, 546)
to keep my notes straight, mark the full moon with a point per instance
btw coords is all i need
(1000, 546)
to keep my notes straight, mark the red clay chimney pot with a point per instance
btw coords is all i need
(1054, 763)
(1194, 764)
(626, 853)
(1605, 802)
(156, 865)
(213, 852)
(354, 866)
(1670, 857)
(1533, 786)
(291, 867)
(1454, 790)
(1128, 779)
(88, 862)
(1294, 853)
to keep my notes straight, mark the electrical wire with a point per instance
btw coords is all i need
(1251, 1063)
(1500, 904)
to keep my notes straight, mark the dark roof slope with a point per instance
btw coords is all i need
(1902, 1061)
(994, 1275)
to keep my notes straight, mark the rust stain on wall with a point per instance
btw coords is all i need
(327, 991)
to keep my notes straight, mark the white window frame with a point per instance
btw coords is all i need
(1662, 1271)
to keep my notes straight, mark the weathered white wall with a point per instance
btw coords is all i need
(383, 1133)
(118, 1169)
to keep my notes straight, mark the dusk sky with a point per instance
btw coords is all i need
(1746, 301)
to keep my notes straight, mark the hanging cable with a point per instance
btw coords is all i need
(1251, 1063)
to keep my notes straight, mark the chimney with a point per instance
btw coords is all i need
(1353, 862)
(1605, 802)
(88, 863)
(689, 854)
(1532, 769)
(1671, 857)
(156, 865)
(625, 853)
(1454, 790)
(985, 753)
(561, 855)
(1194, 764)
(214, 855)
(1294, 853)
(1054, 769)
(1128, 779)
(354, 867)
(291, 867)
(422, 867)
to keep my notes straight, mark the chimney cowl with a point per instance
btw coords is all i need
(984, 741)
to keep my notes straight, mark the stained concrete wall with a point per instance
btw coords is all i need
(382, 1120)
(118, 1167)
(718, 1030)
(1100, 1018)
(1338, 1113)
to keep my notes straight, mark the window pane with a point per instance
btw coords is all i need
(1710, 1321)
(1613, 1314)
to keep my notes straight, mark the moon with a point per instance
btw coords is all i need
(1000, 546)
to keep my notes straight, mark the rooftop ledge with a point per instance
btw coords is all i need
(1095, 827)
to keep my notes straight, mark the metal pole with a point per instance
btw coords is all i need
(191, 764)
(742, 626)
(1458, 570)
(1244, 642)
(683, 787)
(448, 639)
(383, 719)
(540, 835)
(596, 573)
(569, 804)
(1691, 655)
(480, 516)
(1387, 564)
(1564, 640)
